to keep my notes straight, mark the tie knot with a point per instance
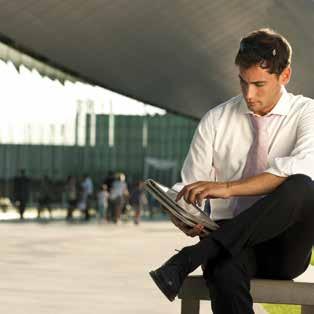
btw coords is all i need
(260, 122)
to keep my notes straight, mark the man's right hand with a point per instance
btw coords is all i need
(195, 231)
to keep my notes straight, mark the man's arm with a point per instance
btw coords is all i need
(261, 184)
(198, 164)
(194, 193)
(301, 159)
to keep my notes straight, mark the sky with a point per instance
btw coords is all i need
(37, 110)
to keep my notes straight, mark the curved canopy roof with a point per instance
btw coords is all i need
(175, 54)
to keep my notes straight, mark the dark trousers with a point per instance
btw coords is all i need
(271, 239)
(114, 209)
(22, 207)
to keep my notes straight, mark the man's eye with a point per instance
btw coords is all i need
(259, 84)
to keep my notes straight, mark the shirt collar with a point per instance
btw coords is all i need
(281, 108)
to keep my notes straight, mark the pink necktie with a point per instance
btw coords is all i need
(256, 162)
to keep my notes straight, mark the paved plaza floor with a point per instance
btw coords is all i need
(63, 268)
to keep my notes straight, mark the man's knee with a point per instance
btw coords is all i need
(299, 185)
(300, 178)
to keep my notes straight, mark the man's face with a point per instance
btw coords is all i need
(262, 90)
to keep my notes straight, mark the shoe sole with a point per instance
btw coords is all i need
(158, 281)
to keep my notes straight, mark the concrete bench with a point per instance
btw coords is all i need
(298, 291)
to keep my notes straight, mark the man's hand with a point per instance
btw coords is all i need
(189, 231)
(196, 192)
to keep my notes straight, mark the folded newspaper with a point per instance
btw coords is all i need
(189, 214)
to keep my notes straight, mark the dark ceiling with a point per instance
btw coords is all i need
(175, 54)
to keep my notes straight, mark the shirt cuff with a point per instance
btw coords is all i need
(287, 166)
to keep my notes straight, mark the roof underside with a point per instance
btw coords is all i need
(175, 54)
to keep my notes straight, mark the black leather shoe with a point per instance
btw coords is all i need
(170, 276)
(165, 284)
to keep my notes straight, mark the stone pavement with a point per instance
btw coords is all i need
(62, 268)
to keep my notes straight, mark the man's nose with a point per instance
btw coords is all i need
(250, 92)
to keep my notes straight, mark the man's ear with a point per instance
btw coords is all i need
(285, 76)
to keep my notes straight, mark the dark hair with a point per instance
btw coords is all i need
(264, 48)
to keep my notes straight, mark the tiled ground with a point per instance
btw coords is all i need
(62, 268)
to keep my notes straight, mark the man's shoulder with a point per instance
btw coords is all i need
(228, 106)
(300, 100)
(230, 103)
(301, 105)
(224, 111)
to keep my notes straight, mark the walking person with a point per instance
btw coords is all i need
(117, 198)
(138, 201)
(45, 196)
(21, 192)
(87, 188)
(102, 202)
(71, 196)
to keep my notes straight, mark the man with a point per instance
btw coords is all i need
(87, 194)
(253, 158)
(21, 190)
(45, 196)
(117, 198)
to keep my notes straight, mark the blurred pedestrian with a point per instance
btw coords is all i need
(21, 189)
(71, 195)
(138, 201)
(45, 197)
(118, 195)
(102, 202)
(87, 187)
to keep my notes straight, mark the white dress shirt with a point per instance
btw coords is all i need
(220, 145)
